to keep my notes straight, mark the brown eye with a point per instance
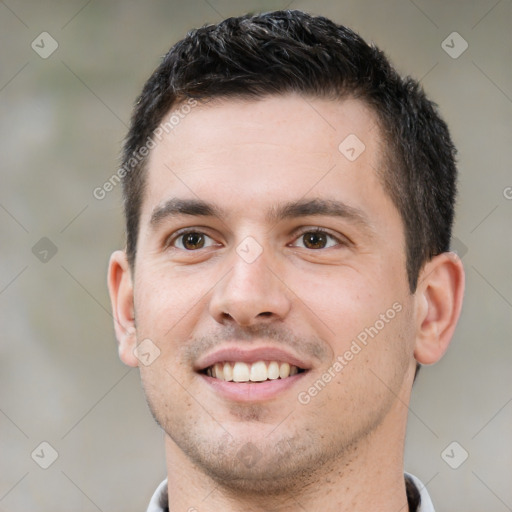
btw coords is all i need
(314, 240)
(192, 241)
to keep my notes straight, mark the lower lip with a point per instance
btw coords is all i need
(252, 391)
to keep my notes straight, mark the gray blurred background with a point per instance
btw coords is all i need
(63, 116)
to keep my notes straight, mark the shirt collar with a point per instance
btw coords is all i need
(426, 503)
(159, 501)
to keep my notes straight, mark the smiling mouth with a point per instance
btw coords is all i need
(260, 371)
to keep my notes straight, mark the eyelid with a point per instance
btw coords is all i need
(171, 239)
(175, 235)
(340, 239)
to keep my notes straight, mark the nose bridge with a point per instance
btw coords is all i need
(250, 291)
(250, 269)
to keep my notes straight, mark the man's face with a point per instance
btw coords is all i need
(263, 241)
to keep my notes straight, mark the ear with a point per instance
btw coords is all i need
(120, 287)
(438, 305)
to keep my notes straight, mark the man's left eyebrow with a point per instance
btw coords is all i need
(175, 206)
(321, 207)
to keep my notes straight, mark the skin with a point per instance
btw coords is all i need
(344, 449)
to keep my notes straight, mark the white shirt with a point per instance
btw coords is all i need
(160, 497)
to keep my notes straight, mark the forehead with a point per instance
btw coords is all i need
(313, 124)
(236, 153)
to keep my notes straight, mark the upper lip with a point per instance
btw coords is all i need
(249, 356)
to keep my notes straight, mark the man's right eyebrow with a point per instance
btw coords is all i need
(175, 206)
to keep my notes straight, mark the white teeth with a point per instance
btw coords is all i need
(284, 370)
(273, 370)
(258, 371)
(228, 372)
(240, 372)
(255, 372)
(219, 371)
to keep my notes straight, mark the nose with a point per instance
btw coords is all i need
(251, 293)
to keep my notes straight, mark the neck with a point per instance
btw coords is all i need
(369, 476)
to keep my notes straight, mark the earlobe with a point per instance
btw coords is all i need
(439, 301)
(120, 288)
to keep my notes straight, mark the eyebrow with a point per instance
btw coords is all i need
(321, 207)
(175, 207)
(302, 208)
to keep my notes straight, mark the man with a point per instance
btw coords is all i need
(289, 204)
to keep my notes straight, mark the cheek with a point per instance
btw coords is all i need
(371, 360)
(344, 299)
(166, 303)
(362, 317)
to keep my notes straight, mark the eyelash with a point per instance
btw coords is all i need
(171, 240)
(318, 230)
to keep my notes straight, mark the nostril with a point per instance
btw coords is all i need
(245, 320)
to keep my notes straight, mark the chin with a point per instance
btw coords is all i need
(254, 467)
